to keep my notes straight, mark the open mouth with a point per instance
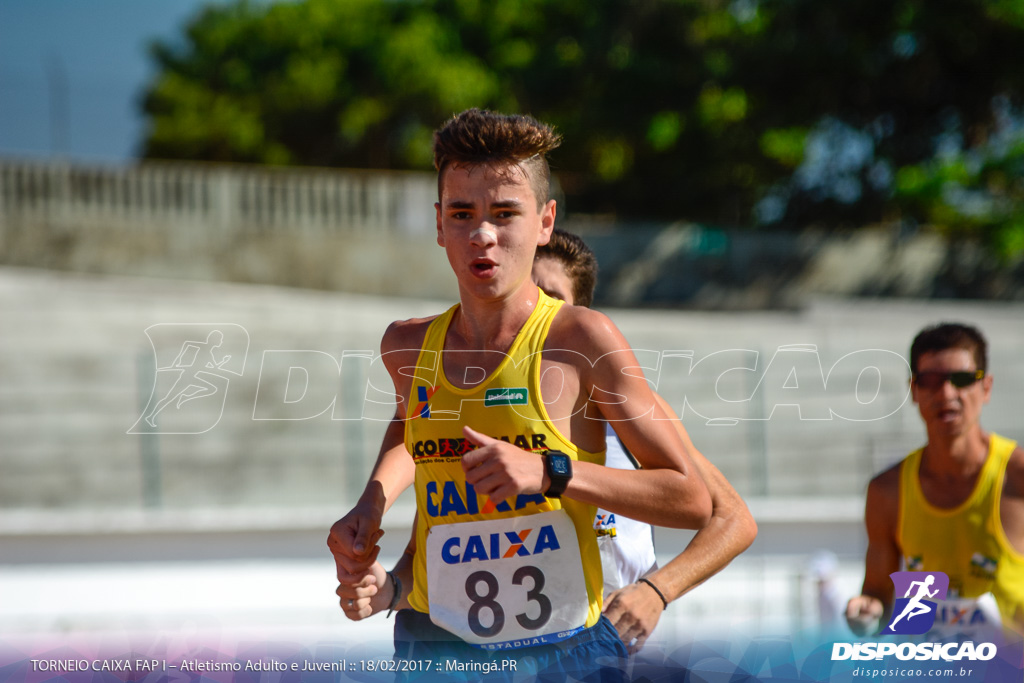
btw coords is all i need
(483, 268)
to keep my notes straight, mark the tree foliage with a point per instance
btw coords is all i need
(738, 112)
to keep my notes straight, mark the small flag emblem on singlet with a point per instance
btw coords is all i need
(423, 394)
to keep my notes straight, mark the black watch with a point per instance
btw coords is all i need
(558, 467)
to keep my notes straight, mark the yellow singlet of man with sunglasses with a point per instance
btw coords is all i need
(957, 504)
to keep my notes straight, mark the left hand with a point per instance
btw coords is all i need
(634, 611)
(499, 470)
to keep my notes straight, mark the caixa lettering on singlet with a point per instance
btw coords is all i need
(496, 583)
(460, 498)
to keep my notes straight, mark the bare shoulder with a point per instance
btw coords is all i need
(887, 481)
(400, 347)
(586, 331)
(1014, 482)
(605, 366)
(884, 493)
(405, 335)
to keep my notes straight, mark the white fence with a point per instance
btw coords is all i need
(222, 198)
(310, 228)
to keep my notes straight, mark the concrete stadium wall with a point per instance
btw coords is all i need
(78, 368)
(373, 233)
(700, 267)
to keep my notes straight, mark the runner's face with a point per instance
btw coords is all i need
(550, 275)
(950, 410)
(490, 226)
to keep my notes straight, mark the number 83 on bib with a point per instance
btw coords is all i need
(507, 582)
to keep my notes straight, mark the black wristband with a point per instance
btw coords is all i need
(558, 468)
(655, 589)
(398, 594)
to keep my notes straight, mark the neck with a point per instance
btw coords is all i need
(492, 324)
(957, 454)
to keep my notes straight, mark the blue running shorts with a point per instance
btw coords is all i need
(426, 652)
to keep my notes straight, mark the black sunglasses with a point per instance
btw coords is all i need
(932, 380)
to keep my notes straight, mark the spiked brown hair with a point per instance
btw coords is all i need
(477, 137)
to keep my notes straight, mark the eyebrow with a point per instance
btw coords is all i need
(508, 204)
(463, 204)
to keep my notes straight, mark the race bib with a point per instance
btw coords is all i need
(507, 583)
(966, 618)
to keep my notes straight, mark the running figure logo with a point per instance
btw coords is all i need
(198, 375)
(914, 613)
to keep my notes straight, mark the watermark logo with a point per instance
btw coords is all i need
(186, 380)
(914, 613)
(192, 370)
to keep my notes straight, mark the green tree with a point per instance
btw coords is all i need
(735, 112)
(910, 110)
(357, 83)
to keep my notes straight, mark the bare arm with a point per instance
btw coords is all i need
(606, 384)
(1011, 505)
(881, 516)
(392, 473)
(662, 496)
(1011, 514)
(731, 530)
(353, 539)
(636, 609)
(669, 490)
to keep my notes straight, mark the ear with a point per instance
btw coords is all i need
(440, 233)
(986, 387)
(547, 222)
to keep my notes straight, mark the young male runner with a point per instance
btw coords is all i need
(501, 404)
(956, 505)
(565, 268)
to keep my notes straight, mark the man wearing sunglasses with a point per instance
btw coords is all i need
(956, 505)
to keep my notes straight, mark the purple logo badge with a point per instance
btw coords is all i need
(914, 613)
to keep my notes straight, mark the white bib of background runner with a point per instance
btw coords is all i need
(510, 582)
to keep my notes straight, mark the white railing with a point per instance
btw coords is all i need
(227, 199)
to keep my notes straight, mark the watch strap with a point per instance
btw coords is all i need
(557, 480)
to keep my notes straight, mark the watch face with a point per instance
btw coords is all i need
(560, 464)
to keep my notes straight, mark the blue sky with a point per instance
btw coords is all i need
(91, 54)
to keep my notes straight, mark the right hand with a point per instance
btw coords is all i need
(353, 542)
(863, 614)
(499, 470)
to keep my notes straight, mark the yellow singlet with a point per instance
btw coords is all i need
(967, 542)
(509, 575)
